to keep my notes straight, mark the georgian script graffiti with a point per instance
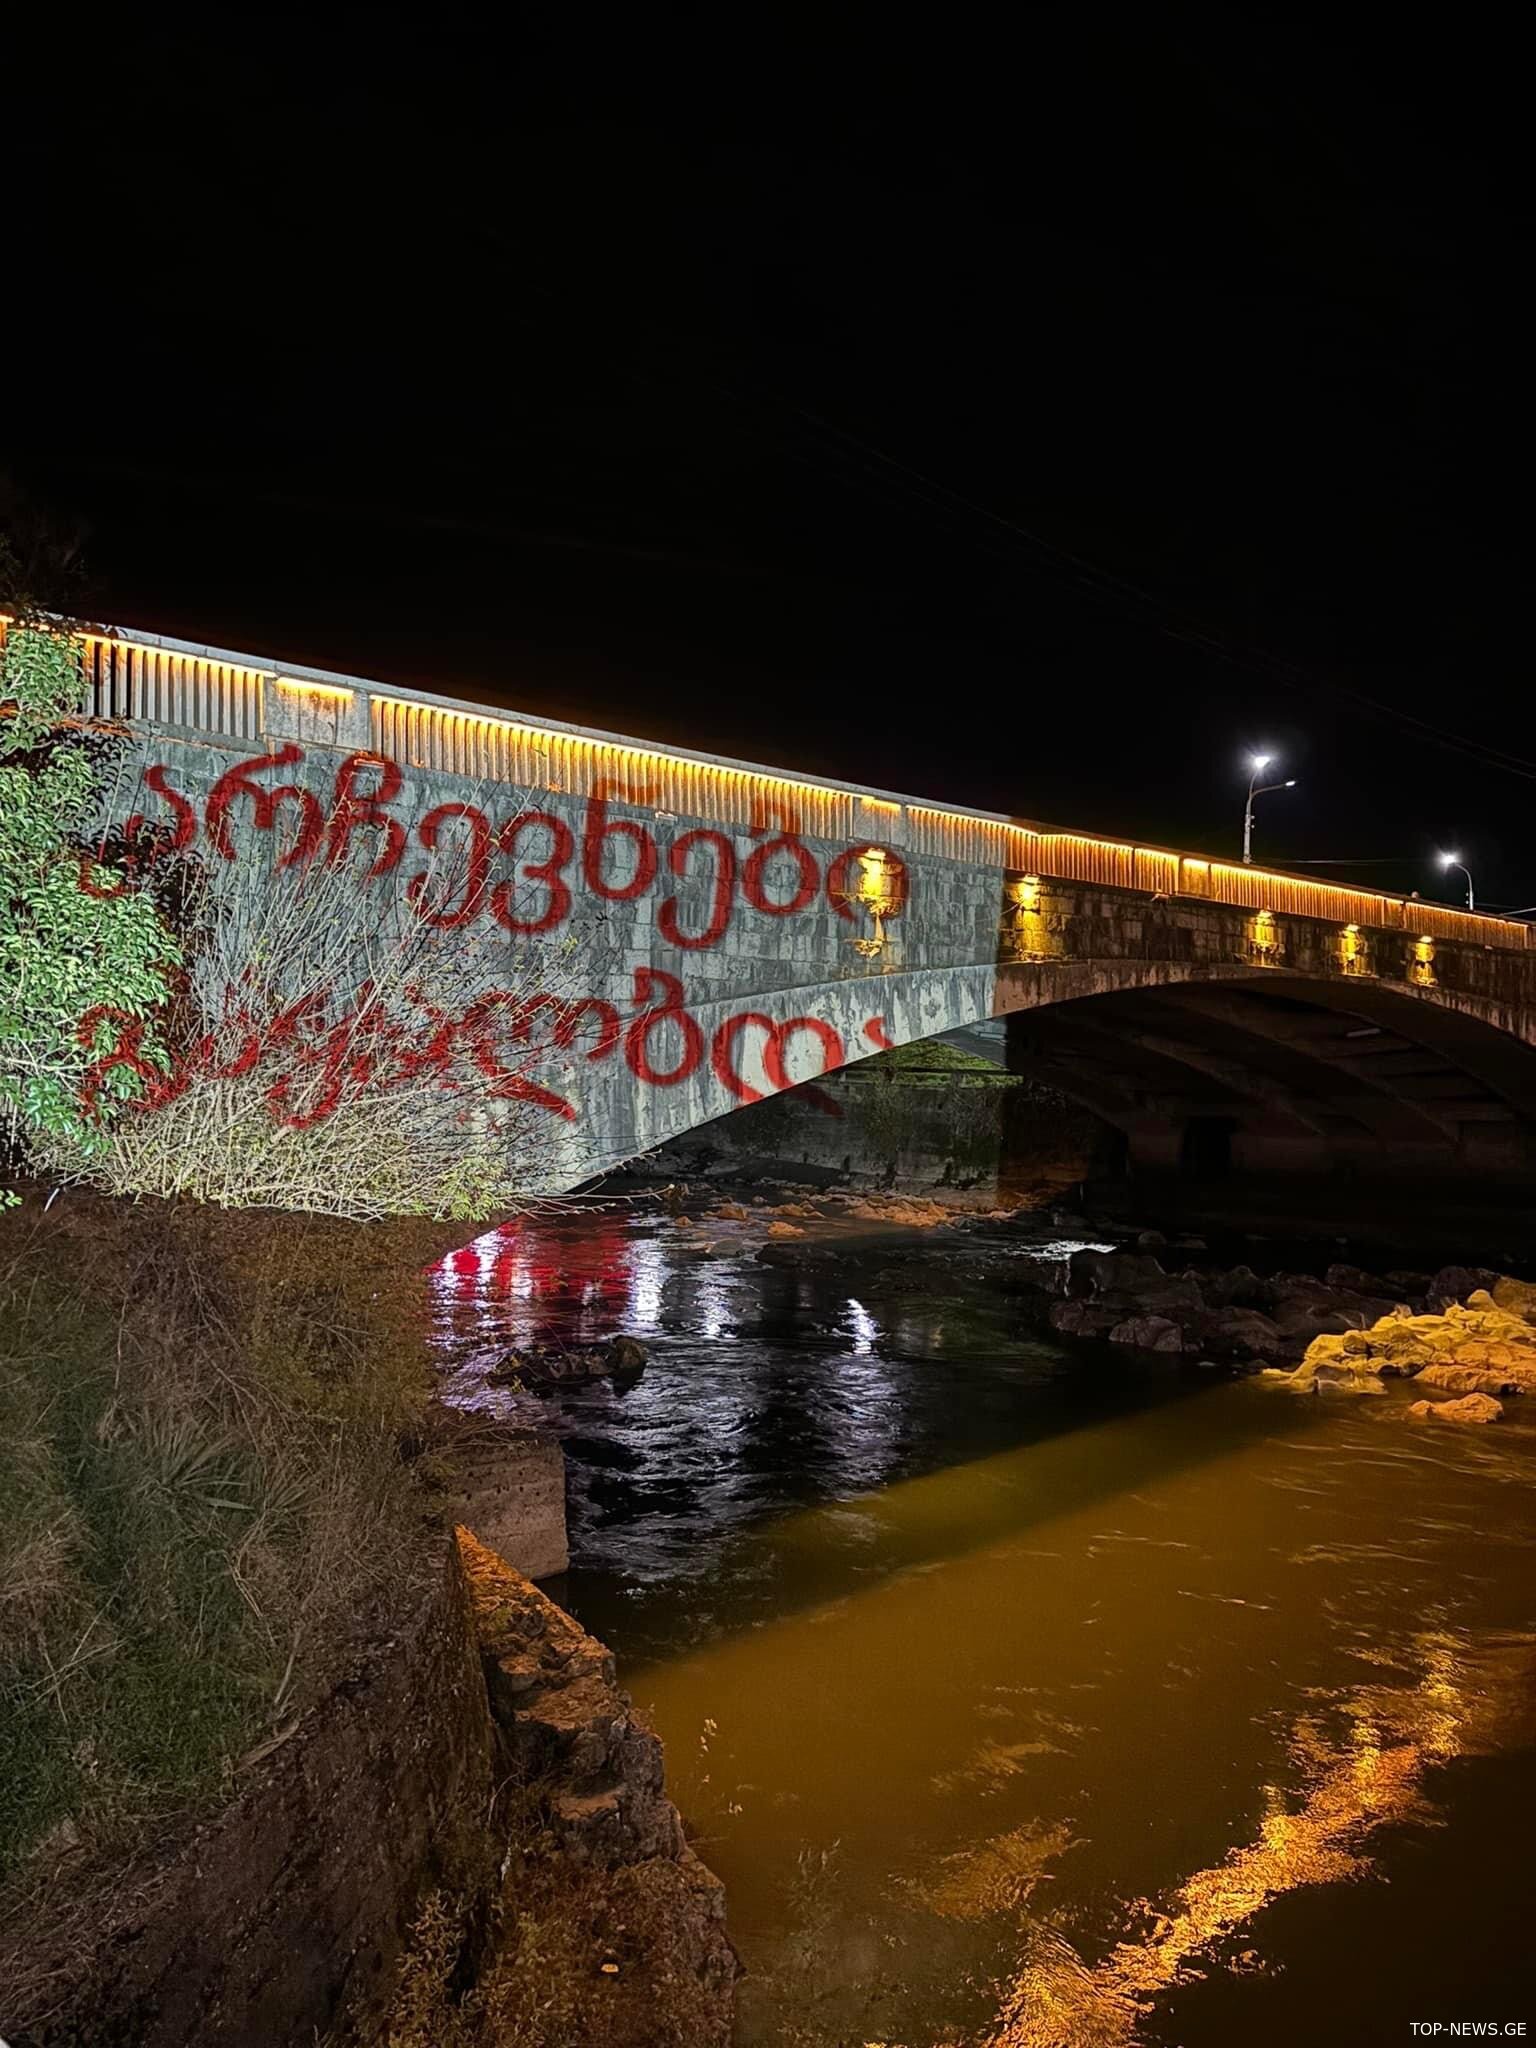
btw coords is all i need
(524, 871)
(322, 1049)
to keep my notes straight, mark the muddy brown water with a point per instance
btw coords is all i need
(1028, 1696)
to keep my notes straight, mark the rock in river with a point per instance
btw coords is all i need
(621, 1359)
(1470, 1408)
(1084, 1318)
(1478, 1338)
(1115, 1273)
(1148, 1333)
(1241, 1333)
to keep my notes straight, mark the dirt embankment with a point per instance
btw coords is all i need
(607, 1927)
(467, 1843)
(252, 1784)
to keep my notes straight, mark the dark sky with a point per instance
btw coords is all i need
(1037, 418)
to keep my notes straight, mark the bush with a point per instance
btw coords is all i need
(74, 939)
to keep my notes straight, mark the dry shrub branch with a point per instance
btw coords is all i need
(346, 1045)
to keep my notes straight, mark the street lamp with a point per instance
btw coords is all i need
(1454, 860)
(1258, 763)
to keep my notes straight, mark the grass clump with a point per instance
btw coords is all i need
(205, 1495)
(576, 1955)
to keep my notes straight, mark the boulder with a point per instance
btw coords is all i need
(1148, 1333)
(1307, 1319)
(1478, 1379)
(1409, 1286)
(1052, 1276)
(622, 1359)
(1481, 1340)
(1240, 1333)
(1297, 1382)
(1358, 1351)
(1115, 1273)
(1239, 1288)
(1150, 1240)
(1297, 1294)
(1349, 1353)
(1170, 1296)
(1455, 1283)
(1354, 1279)
(1084, 1318)
(625, 1358)
(1304, 1284)
(1515, 1297)
(1470, 1408)
(1331, 1381)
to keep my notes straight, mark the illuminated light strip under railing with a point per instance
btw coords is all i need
(1252, 878)
(971, 818)
(1259, 875)
(148, 649)
(577, 741)
(1225, 882)
(298, 687)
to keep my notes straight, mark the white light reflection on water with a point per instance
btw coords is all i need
(1077, 1676)
(711, 1301)
(648, 1269)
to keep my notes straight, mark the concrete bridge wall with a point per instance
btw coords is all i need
(707, 932)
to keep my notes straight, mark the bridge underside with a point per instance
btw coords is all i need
(1266, 1074)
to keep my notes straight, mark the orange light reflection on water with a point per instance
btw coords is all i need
(1368, 1779)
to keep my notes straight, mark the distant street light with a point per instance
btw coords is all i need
(1258, 763)
(1454, 860)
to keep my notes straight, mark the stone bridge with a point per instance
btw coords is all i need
(712, 931)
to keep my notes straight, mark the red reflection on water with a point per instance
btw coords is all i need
(464, 1266)
(539, 1283)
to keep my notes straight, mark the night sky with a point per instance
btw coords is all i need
(1035, 419)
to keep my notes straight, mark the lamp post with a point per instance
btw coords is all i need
(1258, 763)
(1454, 860)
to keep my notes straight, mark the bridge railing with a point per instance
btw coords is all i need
(166, 686)
(210, 693)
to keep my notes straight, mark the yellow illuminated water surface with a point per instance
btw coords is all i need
(1034, 1700)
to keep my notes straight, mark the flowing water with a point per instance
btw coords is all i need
(1030, 1696)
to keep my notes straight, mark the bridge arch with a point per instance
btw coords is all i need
(1203, 1065)
(1302, 1072)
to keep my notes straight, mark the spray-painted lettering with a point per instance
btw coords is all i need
(616, 860)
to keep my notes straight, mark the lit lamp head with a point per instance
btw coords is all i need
(1450, 860)
(1259, 762)
(875, 879)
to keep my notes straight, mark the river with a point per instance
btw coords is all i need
(1035, 1696)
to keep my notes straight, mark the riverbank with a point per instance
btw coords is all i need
(604, 1925)
(211, 1481)
(240, 1755)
